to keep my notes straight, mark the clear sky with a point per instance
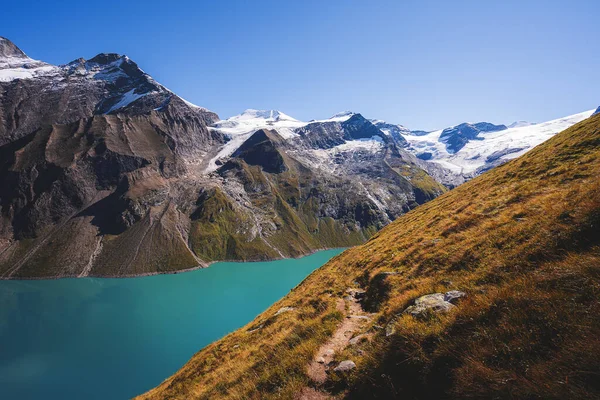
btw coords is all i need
(424, 64)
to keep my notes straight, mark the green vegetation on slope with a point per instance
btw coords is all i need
(521, 240)
(291, 210)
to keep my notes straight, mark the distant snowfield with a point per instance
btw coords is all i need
(252, 120)
(12, 68)
(240, 127)
(477, 153)
(325, 158)
(488, 150)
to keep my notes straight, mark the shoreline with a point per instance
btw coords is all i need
(205, 265)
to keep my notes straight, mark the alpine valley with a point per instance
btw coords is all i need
(105, 172)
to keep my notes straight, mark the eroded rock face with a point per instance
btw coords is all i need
(93, 148)
(103, 171)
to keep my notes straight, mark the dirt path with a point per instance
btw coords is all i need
(355, 321)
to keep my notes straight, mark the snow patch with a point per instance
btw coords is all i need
(126, 99)
(252, 120)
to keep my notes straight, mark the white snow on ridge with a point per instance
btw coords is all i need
(520, 124)
(10, 74)
(12, 68)
(339, 117)
(492, 148)
(126, 99)
(252, 120)
(192, 105)
(514, 141)
(240, 127)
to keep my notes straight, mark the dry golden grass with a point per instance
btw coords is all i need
(522, 242)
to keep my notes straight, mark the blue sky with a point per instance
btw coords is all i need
(424, 64)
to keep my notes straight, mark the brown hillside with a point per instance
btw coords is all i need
(521, 241)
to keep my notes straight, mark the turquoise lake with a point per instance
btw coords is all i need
(105, 338)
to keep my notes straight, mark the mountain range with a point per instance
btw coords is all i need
(453, 155)
(105, 172)
(473, 271)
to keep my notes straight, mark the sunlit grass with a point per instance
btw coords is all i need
(521, 241)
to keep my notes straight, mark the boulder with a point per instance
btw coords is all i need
(453, 296)
(355, 340)
(283, 310)
(345, 366)
(390, 328)
(356, 293)
(429, 303)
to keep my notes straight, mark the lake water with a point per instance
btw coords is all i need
(104, 338)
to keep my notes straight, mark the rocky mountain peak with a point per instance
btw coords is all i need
(458, 136)
(358, 127)
(9, 50)
(261, 150)
(343, 114)
(106, 58)
(395, 131)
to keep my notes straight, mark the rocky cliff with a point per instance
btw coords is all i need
(105, 172)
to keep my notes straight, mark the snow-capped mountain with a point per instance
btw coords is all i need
(252, 120)
(240, 127)
(104, 171)
(14, 64)
(451, 154)
(340, 144)
(328, 133)
(105, 84)
(485, 149)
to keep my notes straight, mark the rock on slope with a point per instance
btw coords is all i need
(103, 171)
(521, 241)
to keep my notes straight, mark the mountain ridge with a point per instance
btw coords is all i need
(451, 155)
(106, 172)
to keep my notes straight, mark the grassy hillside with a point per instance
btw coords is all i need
(522, 241)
